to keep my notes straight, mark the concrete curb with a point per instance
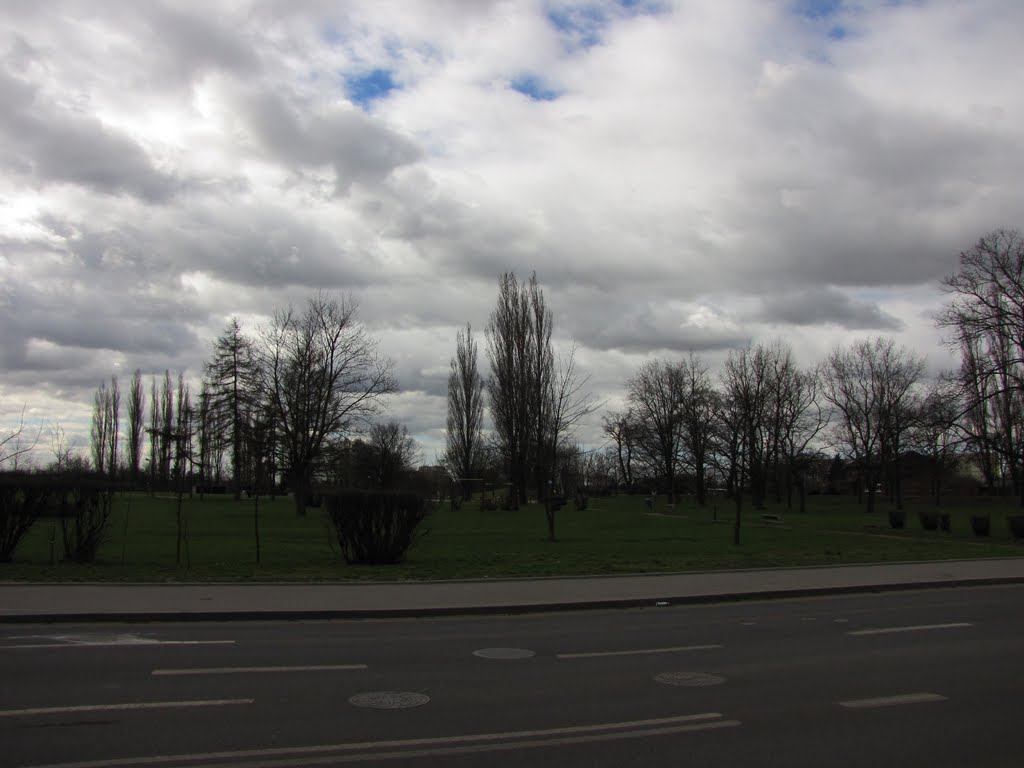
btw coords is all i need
(485, 610)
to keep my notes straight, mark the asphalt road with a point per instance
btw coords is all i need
(931, 678)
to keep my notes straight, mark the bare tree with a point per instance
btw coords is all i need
(699, 410)
(114, 434)
(136, 420)
(622, 429)
(938, 434)
(869, 385)
(899, 371)
(747, 380)
(802, 418)
(59, 447)
(565, 405)
(16, 443)
(464, 438)
(395, 453)
(656, 393)
(536, 399)
(179, 436)
(321, 372)
(100, 427)
(986, 312)
(166, 426)
(985, 406)
(509, 388)
(153, 432)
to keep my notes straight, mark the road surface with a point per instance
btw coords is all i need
(931, 678)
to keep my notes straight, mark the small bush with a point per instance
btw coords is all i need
(82, 501)
(86, 503)
(22, 500)
(929, 520)
(375, 527)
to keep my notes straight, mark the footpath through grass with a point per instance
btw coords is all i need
(614, 535)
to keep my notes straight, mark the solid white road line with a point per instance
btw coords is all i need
(115, 643)
(505, 740)
(129, 706)
(642, 651)
(892, 701)
(255, 670)
(918, 628)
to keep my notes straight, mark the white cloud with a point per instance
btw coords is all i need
(709, 173)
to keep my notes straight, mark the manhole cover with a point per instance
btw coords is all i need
(503, 653)
(389, 699)
(690, 679)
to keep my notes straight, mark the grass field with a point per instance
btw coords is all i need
(615, 535)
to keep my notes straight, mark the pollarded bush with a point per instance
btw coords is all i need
(86, 504)
(375, 527)
(82, 501)
(22, 498)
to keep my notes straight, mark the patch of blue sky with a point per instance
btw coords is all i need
(817, 9)
(365, 88)
(581, 24)
(331, 35)
(534, 88)
(644, 7)
(826, 15)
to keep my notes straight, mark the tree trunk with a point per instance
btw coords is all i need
(256, 520)
(300, 491)
(739, 510)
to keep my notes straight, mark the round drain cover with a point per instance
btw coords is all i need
(503, 653)
(389, 699)
(691, 679)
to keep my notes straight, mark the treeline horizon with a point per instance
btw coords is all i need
(291, 402)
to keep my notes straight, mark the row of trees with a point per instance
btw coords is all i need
(535, 397)
(762, 422)
(758, 425)
(283, 404)
(286, 402)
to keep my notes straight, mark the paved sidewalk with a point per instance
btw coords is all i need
(167, 602)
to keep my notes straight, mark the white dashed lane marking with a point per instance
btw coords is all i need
(638, 652)
(918, 628)
(892, 701)
(128, 706)
(255, 670)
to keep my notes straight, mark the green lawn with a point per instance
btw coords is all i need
(615, 535)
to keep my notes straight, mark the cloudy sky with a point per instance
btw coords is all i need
(682, 175)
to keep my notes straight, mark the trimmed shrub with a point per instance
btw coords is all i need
(375, 527)
(929, 520)
(981, 524)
